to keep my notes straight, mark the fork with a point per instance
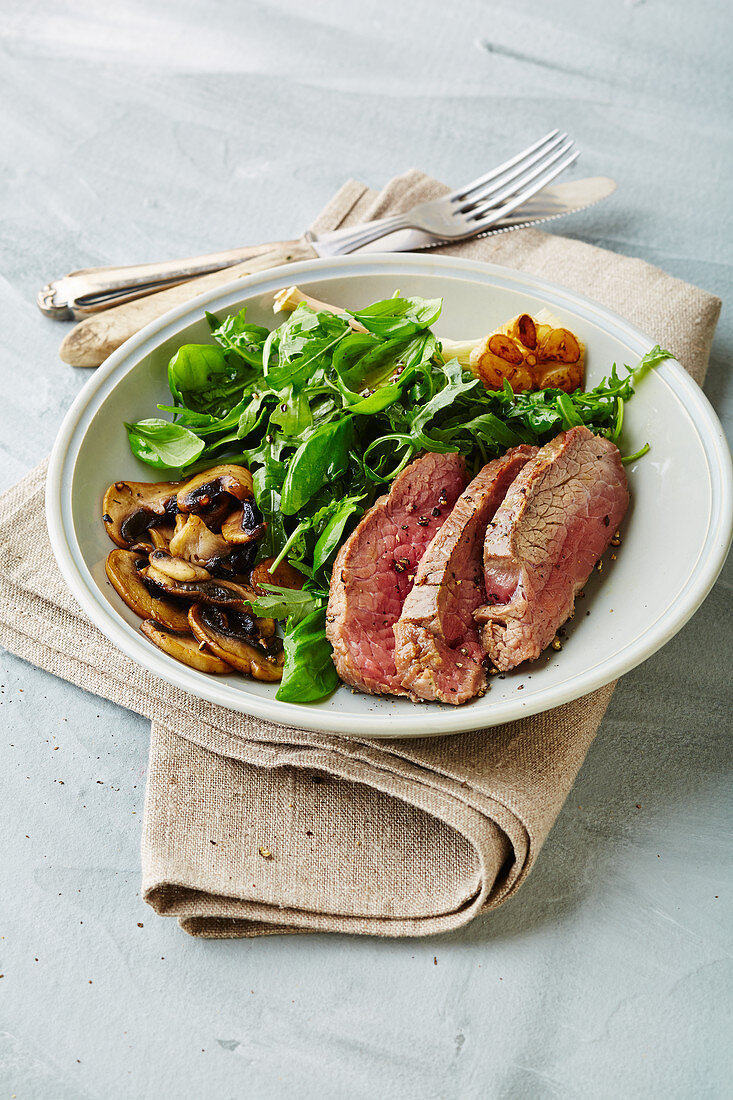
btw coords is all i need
(474, 208)
(484, 205)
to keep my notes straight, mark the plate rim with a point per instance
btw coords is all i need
(436, 721)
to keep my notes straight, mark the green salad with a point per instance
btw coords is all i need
(325, 417)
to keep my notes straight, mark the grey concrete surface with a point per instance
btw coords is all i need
(141, 130)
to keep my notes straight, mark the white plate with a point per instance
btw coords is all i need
(675, 535)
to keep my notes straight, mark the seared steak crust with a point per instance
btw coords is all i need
(375, 570)
(555, 522)
(438, 653)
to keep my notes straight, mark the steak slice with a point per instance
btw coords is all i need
(375, 569)
(438, 653)
(556, 520)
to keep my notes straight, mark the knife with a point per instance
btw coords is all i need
(115, 303)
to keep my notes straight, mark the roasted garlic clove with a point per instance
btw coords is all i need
(559, 345)
(525, 330)
(497, 358)
(530, 354)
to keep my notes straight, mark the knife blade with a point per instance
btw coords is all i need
(102, 328)
(93, 290)
(551, 202)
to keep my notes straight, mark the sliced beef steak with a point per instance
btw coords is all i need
(438, 653)
(375, 569)
(556, 520)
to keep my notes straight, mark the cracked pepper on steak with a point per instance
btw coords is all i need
(413, 608)
(438, 653)
(554, 524)
(375, 569)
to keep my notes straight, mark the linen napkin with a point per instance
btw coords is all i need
(253, 828)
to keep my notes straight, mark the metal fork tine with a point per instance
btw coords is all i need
(491, 214)
(461, 192)
(499, 184)
(519, 181)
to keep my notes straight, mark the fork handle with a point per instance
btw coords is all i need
(81, 293)
(351, 240)
(98, 335)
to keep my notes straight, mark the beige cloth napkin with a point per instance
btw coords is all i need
(252, 828)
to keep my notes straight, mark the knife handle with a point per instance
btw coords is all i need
(97, 336)
(81, 293)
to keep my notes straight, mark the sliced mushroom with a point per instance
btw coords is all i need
(284, 576)
(220, 592)
(124, 569)
(245, 525)
(205, 491)
(195, 542)
(176, 568)
(143, 546)
(161, 535)
(184, 647)
(131, 507)
(237, 638)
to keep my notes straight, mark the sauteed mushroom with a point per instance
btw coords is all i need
(176, 568)
(184, 647)
(210, 590)
(124, 569)
(284, 576)
(131, 507)
(195, 542)
(245, 525)
(161, 535)
(171, 551)
(237, 638)
(205, 490)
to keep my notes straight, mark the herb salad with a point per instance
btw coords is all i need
(325, 417)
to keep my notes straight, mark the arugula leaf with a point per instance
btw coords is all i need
(267, 482)
(652, 359)
(491, 429)
(162, 444)
(309, 673)
(288, 604)
(293, 413)
(348, 357)
(234, 334)
(321, 458)
(203, 378)
(455, 388)
(400, 316)
(253, 414)
(332, 533)
(305, 338)
(204, 423)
